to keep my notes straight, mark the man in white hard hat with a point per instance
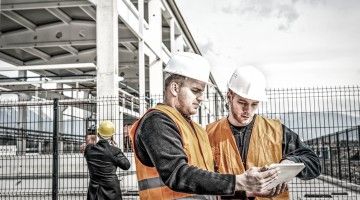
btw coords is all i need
(172, 152)
(243, 139)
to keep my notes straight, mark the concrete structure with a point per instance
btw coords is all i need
(94, 49)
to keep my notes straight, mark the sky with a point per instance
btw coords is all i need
(295, 43)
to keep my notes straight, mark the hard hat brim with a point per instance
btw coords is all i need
(262, 98)
(206, 82)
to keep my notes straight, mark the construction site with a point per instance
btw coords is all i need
(69, 64)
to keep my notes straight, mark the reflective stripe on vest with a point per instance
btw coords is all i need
(157, 182)
(150, 183)
(199, 197)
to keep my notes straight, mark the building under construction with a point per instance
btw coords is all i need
(68, 64)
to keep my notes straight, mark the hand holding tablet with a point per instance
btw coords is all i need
(287, 172)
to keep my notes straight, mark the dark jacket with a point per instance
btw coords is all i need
(102, 160)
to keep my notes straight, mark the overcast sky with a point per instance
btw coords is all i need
(296, 43)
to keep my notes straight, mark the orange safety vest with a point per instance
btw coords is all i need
(265, 147)
(197, 149)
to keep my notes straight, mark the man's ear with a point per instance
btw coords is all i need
(174, 88)
(229, 96)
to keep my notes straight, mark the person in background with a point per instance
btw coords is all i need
(172, 153)
(103, 158)
(127, 142)
(243, 139)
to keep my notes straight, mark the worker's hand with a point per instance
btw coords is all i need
(255, 179)
(82, 148)
(270, 193)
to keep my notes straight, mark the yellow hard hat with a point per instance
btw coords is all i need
(106, 129)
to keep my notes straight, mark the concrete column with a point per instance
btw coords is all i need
(155, 24)
(107, 48)
(141, 56)
(61, 131)
(176, 40)
(22, 121)
(172, 35)
(155, 63)
(107, 63)
(41, 122)
(39, 147)
(120, 140)
(61, 123)
(156, 80)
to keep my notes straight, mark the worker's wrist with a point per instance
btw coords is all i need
(249, 194)
(239, 182)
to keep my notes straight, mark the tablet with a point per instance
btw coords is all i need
(287, 172)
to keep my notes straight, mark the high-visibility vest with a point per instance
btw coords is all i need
(197, 149)
(265, 147)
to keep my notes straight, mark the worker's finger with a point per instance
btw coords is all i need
(269, 173)
(278, 189)
(283, 187)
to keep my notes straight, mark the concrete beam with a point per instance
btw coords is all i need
(86, 55)
(136, 1)
(70, 49)
(75, 71)
(37, 53)
(10, 59)
(47, 81)
(59, 14)
(49, 67)
(60, 44)
(128, 64)
(89, 11)
(35, 4)
(77, 32)
(4, 89)
(129, 46)
(20, 20)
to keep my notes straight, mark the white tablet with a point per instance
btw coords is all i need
(287, 172)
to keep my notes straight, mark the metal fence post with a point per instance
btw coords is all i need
(55, 172)
(338, 155)
(348, 154)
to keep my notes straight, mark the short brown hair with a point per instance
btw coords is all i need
(179, 79)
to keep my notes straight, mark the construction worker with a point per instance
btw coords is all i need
(172, 153)
(102, 159)
(243, 139)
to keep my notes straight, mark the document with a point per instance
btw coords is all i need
(287, 172)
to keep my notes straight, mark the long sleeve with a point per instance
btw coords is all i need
(296, 150)
(120, 159)
(158, 144)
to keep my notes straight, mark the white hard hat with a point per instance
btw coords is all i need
(248, 82)
(190, 65)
